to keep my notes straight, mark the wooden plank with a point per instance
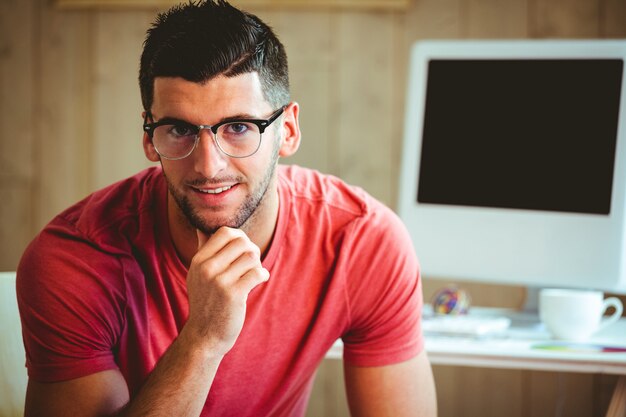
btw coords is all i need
(291, 4)
(17, 119)
(434, 19)
(613, 18)
(567, 394)
(400, 50)
(496, 19)
(425, 19)
(478, 392)
(310, 87)
(310, 71)
(328, 397)
(117, 151)
(564, 18)
(617, 407)
(15, 220)
(16, 98)
(604, 390)
(505, 396)
(364, 101)
(64, 130)
(448, 402)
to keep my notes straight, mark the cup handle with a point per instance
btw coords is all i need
(615, 303)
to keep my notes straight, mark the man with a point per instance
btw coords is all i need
(215, 283)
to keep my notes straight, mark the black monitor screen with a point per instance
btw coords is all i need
(526, 134)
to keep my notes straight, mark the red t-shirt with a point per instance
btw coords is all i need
(101, 287)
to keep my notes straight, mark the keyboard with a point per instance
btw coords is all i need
(464, 325)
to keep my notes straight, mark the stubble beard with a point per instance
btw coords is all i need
(243, 214)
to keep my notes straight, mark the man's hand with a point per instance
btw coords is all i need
(225, 269)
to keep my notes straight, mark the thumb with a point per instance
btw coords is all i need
(202, 238)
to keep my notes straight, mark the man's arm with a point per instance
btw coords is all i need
(222, 273)
(177, 386)
(400, 390)
(102, 393)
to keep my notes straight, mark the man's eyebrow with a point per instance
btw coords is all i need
(173, 120)
(240, 116)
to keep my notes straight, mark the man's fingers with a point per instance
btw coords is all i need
(228, 256)
(210, 245)
(240, 248)
(245, 272)
(254, 277)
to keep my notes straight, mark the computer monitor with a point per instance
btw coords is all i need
(514, 162)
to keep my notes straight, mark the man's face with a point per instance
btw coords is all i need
(211, 189)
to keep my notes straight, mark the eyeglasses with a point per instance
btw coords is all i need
(238, 138)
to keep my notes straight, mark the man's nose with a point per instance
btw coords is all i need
(209, 159)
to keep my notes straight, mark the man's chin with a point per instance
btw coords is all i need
(210, 227)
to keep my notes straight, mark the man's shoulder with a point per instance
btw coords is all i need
(313, 188)
(320, 196)
(111, 210)
(127, 196)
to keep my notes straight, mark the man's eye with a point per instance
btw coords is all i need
(236, 128)
(182, 130)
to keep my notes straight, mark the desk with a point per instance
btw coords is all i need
(516, 348)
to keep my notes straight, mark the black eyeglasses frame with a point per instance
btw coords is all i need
(262, 124)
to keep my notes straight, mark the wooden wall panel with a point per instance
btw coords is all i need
(17, 129)
(496, 19)
(328, 398)
(364, 97)
(434, 19)
(62, 152)
(16, 98)
(16, 229)
(425, 19)
(564, 18)
(613, 18)
(603, 388)
(310, 69)
(399, 82)
(306, 5)
(559, 394)
(116, 108)
(479, 392)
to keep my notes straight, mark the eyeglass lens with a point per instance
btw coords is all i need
(237, 139)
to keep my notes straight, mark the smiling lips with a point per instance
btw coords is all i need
(214, 190)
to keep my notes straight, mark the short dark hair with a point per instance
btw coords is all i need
(199, 41)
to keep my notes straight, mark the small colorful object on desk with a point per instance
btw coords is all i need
(451, 300)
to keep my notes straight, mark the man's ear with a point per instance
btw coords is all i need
(291, 130)
(148, 147)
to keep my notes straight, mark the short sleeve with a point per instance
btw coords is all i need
(71, 302)
(383, 290)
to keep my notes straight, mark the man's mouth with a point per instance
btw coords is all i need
(215, 190)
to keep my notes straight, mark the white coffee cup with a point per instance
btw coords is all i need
(576, 314)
